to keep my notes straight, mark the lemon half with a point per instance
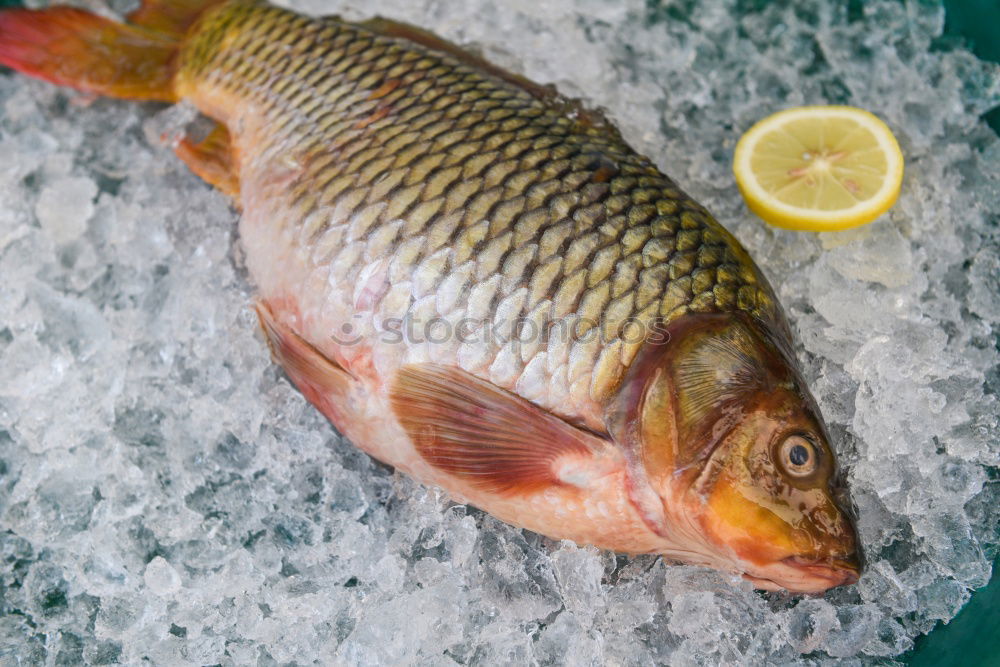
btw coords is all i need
(819, 168)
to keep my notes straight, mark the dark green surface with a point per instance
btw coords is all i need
(977, 23)
(971, 639)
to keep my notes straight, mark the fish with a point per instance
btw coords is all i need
(479, 282)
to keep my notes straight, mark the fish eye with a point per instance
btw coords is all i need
(798, 455)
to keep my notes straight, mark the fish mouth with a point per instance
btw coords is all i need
(799, 574)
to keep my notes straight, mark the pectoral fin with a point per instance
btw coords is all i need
(494, 439)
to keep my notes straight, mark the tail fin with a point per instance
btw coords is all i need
(171, 17)
(75, 48)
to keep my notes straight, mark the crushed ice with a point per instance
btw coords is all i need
(166, 496)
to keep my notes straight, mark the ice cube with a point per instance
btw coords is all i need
(64, 207)
(161, 577)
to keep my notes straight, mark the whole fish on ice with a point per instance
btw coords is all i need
(480, 283)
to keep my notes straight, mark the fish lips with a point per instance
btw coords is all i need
(799, 574)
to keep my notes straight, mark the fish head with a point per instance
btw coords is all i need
(732, 441)
(769, 495)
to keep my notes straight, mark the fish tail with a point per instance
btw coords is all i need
(73, 47)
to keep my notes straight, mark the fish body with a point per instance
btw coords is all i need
(481, 284)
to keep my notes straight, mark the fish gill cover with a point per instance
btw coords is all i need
(165, 494)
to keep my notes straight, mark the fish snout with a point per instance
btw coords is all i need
(842, 571)
(797, 574)
(833, 559)
(802, 574)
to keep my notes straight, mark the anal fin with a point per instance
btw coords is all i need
(490, 437)
(212, 159)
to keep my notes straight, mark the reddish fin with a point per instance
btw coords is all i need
(213, 160)
(172, 17)
(473, 429)
(75, 48)
(320, 379)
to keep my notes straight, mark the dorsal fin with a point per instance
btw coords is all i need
(429, 40)
(571, 108)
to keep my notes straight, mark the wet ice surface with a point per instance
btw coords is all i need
(166, 496)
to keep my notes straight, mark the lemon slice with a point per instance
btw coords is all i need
(821, 168)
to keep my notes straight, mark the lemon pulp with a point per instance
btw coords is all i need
(819, 168)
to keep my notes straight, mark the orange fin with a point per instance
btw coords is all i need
(320, 379)
(212, 159)
(75, 48)
(172, 17)
(494, 439)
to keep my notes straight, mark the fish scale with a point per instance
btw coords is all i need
(408, 151)
(386, 176)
